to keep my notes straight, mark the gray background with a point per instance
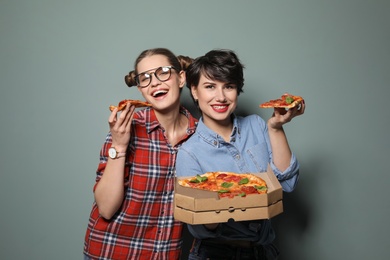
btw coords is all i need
(62, 64)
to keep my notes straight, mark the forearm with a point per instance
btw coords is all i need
(109, 192)
(281, 153)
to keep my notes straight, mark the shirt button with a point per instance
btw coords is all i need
(237, 156)
(215, 142)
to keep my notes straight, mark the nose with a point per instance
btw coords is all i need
(154, 80)
(220, 97)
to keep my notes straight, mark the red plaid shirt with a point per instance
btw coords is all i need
(144, 227)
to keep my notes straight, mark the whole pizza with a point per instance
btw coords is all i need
(227, 184)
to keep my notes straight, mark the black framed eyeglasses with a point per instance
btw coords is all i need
(162, 74)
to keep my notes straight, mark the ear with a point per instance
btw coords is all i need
(182, 77)
(194, 92)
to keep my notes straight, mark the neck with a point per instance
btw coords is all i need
(174, 123)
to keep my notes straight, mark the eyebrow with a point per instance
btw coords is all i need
(209, 83)
(153, 69)
(214, 83)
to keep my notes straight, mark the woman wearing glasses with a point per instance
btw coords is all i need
(132, 216)
(226, 142)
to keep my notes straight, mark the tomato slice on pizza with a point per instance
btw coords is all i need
(137, 103)
(285, 101)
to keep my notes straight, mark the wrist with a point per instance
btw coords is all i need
(114, 153)
(275, 128)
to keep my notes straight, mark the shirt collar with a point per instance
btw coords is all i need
(153, 123)
(212, 138)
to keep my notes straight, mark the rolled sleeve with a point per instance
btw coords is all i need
(289, 178)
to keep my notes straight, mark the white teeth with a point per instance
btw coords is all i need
(219, 107)
(158, 92)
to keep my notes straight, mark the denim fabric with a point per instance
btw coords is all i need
(249, 150)
(87, 257)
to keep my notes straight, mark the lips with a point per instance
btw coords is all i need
(220, 108)
(159, 93)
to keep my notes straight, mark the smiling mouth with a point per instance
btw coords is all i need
(159, 93)
(220, 108)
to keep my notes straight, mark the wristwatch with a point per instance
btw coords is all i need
(114, 154)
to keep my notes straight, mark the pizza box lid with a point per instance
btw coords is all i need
(201, 200)
(213, 216)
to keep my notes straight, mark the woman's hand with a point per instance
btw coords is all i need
(120, 127)
(282, 116)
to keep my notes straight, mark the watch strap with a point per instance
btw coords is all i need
(119, 155)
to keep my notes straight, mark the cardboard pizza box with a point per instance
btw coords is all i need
(194, 206)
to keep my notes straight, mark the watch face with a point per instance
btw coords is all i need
(112, 153)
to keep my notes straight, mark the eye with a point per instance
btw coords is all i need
(209, 86)
(163, 71)
(231, 87)
(144, 77)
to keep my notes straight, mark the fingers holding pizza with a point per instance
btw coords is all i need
(120, 124)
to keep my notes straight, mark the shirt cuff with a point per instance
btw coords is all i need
(289, 177)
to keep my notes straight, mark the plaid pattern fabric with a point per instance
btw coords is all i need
(144, 227)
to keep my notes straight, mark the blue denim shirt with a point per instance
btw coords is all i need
(249, 150)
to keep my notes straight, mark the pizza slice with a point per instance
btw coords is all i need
(285, 101)
(136, 103)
